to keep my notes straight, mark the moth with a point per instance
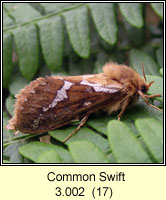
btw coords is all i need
(55, 101)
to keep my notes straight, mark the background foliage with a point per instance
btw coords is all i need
(42, 39)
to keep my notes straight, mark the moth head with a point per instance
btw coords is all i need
(144, 87)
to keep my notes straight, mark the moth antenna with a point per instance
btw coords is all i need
(142, 65)
(146, 101)
(150, 84)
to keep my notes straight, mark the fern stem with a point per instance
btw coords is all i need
(44, 17)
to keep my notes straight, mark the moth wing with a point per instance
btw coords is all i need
(52, 102)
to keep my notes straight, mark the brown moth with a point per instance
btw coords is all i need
(52, 102)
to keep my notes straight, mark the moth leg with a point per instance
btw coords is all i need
(46, 139)
(16, 132)
(146, 101)
(152, 96)
(83, 121)
(126, 103)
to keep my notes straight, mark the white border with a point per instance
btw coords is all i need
(81, 164)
